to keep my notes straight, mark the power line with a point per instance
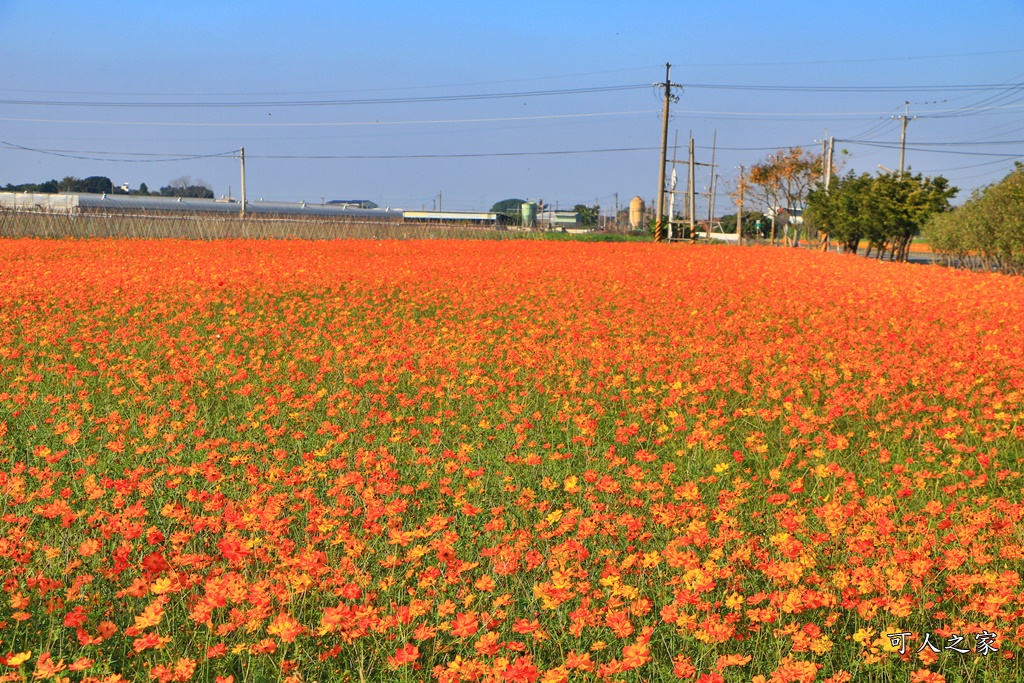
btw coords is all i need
(915, 148)
(315, 124)
(72, 154)
(850, 88)
(858, 61)
(279, 93)
(326, 103)
(80, 154)
(467, 155)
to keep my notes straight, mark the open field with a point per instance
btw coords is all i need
(516, 461)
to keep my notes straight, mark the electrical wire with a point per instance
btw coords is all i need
(72, 154)
(915, 148)
(327, 103)
(467, 155)
(848, 88)
(80, 154)
(315, 124)
(856, 61)
(335, 92)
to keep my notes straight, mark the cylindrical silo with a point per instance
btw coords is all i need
(636, 213)
(529, 213)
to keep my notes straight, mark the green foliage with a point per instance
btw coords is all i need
(887, 209)
(987, 231)
(92, 185)
(48, 187)
(588, 214)
(143, 189)
(184, 187)
(749, 226)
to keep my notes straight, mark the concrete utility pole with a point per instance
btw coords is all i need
(711, 187)
(242, 155)
(659, 217)
(903, 133)
(693, 200)
(672, 188)
(828, 162)
(739, 212)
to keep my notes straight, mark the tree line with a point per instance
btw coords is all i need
(987, 231)
(179, 187)
(887, 210)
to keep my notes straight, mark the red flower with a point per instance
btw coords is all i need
(465, 625)
(521, 671)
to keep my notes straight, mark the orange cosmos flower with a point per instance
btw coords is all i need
(465, 624)
(406, 654)
(522, 670)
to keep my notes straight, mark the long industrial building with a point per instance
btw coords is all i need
(122, 203)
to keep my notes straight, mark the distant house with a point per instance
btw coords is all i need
(355, 203)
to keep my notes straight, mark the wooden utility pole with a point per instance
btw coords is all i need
(659, 217)
(242, 156)
(739, 211)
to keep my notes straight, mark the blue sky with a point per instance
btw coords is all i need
(67, 63)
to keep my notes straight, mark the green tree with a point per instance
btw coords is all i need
(841, 211)
(888, 209)
(94, 184)
(143, 189)
(749, 223)
(588, 214)
(184, 187)
(987, 231)
(47, 187)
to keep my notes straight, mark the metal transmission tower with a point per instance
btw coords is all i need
(659, 217)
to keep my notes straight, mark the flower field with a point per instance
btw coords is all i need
(506, 461)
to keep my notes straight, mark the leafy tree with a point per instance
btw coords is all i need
(887, 209)
(47, 187)
(749, 224)
(841, 211)
(588, 214)
(782, 180)
(184, 187)
(94, 184)
(987, 231)
(143, 189)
